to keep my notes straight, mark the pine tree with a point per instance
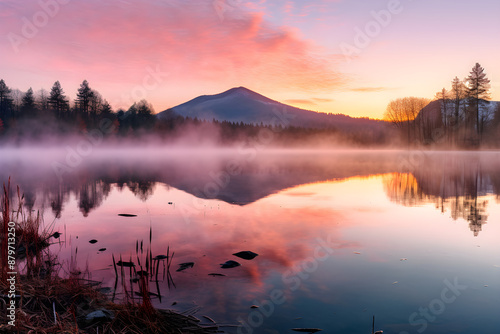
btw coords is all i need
(5, 101)
(95, 104)
(106, 108)
(28, 105)
(57, 101)
(479, 92)
(83, 98)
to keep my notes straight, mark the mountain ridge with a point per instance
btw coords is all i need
(240, 104)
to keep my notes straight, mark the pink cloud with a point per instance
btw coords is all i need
(114, 42)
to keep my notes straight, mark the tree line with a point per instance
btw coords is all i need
(85, 112)
(462, 116)
(29, 115)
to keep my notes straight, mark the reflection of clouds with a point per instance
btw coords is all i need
(283, 238)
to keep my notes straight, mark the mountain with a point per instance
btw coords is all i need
(436, 111)
(244, 105)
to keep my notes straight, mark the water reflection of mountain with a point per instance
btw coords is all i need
(454, 184)
(237, 179)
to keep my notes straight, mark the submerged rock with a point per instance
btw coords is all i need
(246, 255)
(215, 274)
(105, 290)
(99, 315)
(306, 330)
(229, 264)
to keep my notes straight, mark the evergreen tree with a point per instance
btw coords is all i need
(106, 108)
(5, 101)
(83, 98)
(95, 104)
(28, 105)
(479, 93)
(57, 100)
(144, 108)
(145, 116)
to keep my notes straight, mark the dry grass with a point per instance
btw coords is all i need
(47, 303)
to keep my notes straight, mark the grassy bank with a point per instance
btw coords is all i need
(48, 302)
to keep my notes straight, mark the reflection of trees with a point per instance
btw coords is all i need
(459, 194)
(475, 213)
(142, 189)
(403, 189)
(91, 195)
(56, 203)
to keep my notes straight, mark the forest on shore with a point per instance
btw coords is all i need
(462, 117)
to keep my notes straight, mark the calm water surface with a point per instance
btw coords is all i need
(412, 238)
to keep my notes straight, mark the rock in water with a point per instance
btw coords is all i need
(230, 264)
(126, 215)
(93, 241)
(99, 315)
(246, 255)
(306, 330)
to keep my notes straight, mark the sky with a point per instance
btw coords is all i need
(335, 56)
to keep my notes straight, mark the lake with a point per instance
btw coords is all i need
(411, 237)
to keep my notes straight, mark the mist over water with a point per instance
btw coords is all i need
(393, 226)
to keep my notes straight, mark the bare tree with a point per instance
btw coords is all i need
(458, 94)
(42, 99)
(403, 113)
(443, 97)
(17, 99)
